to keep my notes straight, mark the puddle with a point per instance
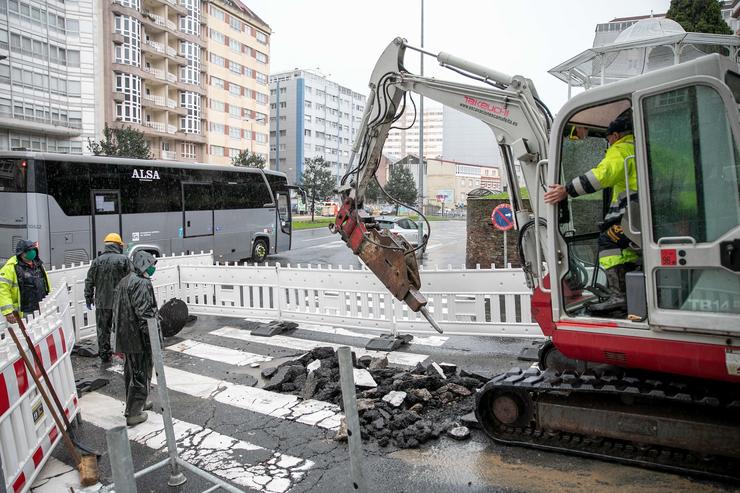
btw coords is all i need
(478, 466)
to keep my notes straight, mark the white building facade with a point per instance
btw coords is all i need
(311, 116)
(402, 141)
(47, 80)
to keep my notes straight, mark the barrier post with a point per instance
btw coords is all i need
(176, 476)
(121, 462)
(2, 477)
(354, 435)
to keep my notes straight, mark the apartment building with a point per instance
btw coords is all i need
(47, 92)
(403, 141)
(311, 116)
(154, 73)
(238, 45)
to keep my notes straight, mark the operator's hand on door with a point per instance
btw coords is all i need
(10, 318)
(556, 194)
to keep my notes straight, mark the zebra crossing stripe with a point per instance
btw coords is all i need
(283, 406)
(325, 329)
(217, 353)
(395, 358)
(203, 447)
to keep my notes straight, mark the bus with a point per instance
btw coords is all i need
(69, 203)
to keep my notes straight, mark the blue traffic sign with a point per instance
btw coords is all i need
(502, 217)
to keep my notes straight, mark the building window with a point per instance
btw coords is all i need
(217, 36)
(190, 123)
(261, 98)
(190, 74)
(216, 82)
(216, 128)
(261, 78)
(261, 37)
(187, 150)
(129, 110)
(235, 23)
(217, 13)
(235, 46)
(218, 60)
(235, 67)
(262, 138)
(235, 89)
(217, 105)
(235, 111)
(260, 57)
(235, 132)
(129, 52)
(217, 151)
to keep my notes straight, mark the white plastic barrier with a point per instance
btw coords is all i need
(28, 433)
(463, 301)
(74, 275)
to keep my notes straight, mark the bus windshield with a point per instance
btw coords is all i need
(12, 175)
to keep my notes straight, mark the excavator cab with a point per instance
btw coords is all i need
(686, 220)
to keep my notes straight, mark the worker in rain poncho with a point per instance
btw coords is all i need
(133, 306)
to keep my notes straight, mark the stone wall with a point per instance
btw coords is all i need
(485, 244)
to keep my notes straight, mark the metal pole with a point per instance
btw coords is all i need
(506, 251)
(421, 117)
(354, 435)
(176, 476)
(121, 462)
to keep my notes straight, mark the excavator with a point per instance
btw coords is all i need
(659, 385)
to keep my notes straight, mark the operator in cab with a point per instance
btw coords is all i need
(617, 253)
(23, 281)
(104, 274)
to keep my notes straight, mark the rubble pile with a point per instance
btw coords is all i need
(403, 407)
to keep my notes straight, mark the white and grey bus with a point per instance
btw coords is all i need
(70, 202)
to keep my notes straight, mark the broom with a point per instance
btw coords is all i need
(87, 464)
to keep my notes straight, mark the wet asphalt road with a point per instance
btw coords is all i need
(318, 246)
(476, 465)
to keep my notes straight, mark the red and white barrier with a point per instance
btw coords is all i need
(27, 430)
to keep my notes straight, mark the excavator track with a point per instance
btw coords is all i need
(675, 426)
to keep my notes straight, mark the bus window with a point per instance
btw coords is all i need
(69, 184)
(12, 175)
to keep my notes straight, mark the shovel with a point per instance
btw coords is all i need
(87, 464)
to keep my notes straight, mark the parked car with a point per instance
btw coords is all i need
(402, 226)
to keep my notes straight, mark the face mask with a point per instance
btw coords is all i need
(150, 270)
(31, 254)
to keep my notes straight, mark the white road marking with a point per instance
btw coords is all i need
(394, 357)
(57, 476)
(216, 453)
(283, 406)
(325, 329)
(217, 353)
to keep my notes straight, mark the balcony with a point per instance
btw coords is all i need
(171, 129)
(171, 51)
(171, 78)
(171, 104)
(154, 45)
(170, 155)
(175, 5)
(117, 38)
(158, 126)
(156, 100)
(157, 73)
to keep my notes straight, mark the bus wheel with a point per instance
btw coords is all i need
(259, 250)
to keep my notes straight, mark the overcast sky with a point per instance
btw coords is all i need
(344, 38)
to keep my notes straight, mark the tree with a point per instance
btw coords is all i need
(248, 159)
(121, 142)
(373, 192)
(317, 181)
(401, 185)
(699, 16)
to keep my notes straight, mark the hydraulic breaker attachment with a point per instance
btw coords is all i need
(388, 256)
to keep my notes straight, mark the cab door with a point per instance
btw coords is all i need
(689, 172)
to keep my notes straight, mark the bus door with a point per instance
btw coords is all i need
(197, 203)
(106, 217)
(283, 229)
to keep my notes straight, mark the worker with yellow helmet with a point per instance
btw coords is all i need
(104, 274)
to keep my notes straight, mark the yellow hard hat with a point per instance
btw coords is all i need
(113, 238)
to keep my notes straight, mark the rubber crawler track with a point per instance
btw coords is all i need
(537, 383)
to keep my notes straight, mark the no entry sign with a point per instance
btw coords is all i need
(502, 217)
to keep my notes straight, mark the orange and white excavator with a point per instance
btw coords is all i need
(659, 385)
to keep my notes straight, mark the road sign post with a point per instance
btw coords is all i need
(502, 219)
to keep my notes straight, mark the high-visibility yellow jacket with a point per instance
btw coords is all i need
(609, 173)
(10, 294)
